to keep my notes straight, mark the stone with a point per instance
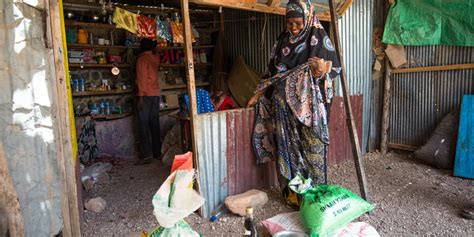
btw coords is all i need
(253, 198)
(96, 205)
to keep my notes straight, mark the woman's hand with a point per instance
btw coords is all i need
(254, 99)
(319, 66)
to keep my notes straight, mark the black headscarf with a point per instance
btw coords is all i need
(293, 50)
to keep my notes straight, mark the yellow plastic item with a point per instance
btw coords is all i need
(125, 20)
(82, 36)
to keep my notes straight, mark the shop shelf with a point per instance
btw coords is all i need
(99, 93)
(95, 65)
(183, 86)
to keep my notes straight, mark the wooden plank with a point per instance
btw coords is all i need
(63, 119)
(265, 8)
(188, 52)
(183, 86)
(97, 93)
(434, 68)
(9, 204)
(386, 110)
(243, 5)
(345, 92)
(96, 65)
(91, 25)
(402, 147)
(464, 162)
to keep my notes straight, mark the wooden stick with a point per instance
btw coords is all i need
(188, 51)
(351, 121)
(435, 68)
(402, 147)
(386, 109)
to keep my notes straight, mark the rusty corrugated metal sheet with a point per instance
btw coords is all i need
(340, 148)
(242, 171)
(227, 164)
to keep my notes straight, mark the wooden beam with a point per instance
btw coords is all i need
(402, 147)
(273, 8)
(243, 5)
(189, 62)
(63, 120)
(358, 159)
(9, 204)
(435, 68)
(273, 3)
(386, 109)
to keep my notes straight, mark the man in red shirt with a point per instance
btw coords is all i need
(148, 103)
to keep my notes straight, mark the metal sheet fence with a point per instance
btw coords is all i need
(420, 100)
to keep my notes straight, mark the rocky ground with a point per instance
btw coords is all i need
(412, 199)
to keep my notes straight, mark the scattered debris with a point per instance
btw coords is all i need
(96, 205)
(252, 198)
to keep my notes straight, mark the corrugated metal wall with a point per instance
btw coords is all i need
(212, 165)
(226, 162)
(355, 29)
(28, 125)
(420, 100)
(252, 34)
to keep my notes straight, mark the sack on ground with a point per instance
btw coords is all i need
(286, 221)
(329, 207)
(440, 149)
(360, 229)
(176, 199)
(181, 228)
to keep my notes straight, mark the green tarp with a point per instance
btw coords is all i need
(430, 22)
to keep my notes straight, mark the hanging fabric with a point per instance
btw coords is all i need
(146, 27)
(125, 20)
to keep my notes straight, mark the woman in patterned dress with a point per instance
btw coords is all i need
(291, 125)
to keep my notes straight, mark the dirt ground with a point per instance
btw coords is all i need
(412, 199)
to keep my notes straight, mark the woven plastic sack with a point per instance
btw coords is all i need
(181, 228)
(146, 27)
(176, 199)
(125, 20)
(329, 207)
(182, 162)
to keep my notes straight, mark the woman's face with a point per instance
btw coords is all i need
(295, 25)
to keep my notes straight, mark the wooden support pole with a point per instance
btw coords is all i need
(351, 121)
(63, 122)
(189, 63)
(435, 68)
(385, 111)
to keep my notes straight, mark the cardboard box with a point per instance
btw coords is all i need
(396, 54)
(172, 100)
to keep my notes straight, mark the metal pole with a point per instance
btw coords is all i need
(350, 117)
